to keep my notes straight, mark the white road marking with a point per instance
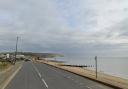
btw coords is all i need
(57, 72)
(44, 82)
(72, 79)
(68, 77)
(88, 87)
(81, 83)
(37, 71)
(11, 77)
(39, 74)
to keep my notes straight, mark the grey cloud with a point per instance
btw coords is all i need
(121, 28)
(42, 28)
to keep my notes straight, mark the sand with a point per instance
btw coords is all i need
(103, 78)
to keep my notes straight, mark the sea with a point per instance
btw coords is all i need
(116, 66)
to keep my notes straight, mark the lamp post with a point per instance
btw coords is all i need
(16, 48)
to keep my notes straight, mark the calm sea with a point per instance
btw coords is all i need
(117, 66)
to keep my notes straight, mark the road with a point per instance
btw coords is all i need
(42, 76)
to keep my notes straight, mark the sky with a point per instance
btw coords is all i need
(69, 27)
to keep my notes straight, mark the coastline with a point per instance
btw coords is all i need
(102, 77)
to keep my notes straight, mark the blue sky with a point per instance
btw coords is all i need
(70, 27)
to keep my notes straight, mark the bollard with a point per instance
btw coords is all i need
(96, 65)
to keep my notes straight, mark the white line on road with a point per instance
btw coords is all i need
(81, 83)
(11, 77)
(44, 82)
(40, 75)
(88, 87)
(72, 79)
(37, 71)
(68, 77)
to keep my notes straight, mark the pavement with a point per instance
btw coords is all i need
(41, 76)
(8, 74)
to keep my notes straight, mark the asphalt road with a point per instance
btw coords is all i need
(42, 76)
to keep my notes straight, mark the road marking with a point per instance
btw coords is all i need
(39, 74)
(37, 71)
(11, 77)
(81, 83)
(44, 83)
(68, 77)
(88, 87)
(72, 79)
(56, 71)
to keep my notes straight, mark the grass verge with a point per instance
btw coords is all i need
(4, 65)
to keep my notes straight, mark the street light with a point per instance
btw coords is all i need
(16, 49)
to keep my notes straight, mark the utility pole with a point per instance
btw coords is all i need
(96, 65)
(16, 48)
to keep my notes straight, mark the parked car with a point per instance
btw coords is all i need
(27, 60)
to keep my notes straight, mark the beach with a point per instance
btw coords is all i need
(102, 77)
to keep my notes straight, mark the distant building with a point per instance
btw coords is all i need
(7, 56)
(20, 56)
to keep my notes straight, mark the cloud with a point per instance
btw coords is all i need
(69, 26)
